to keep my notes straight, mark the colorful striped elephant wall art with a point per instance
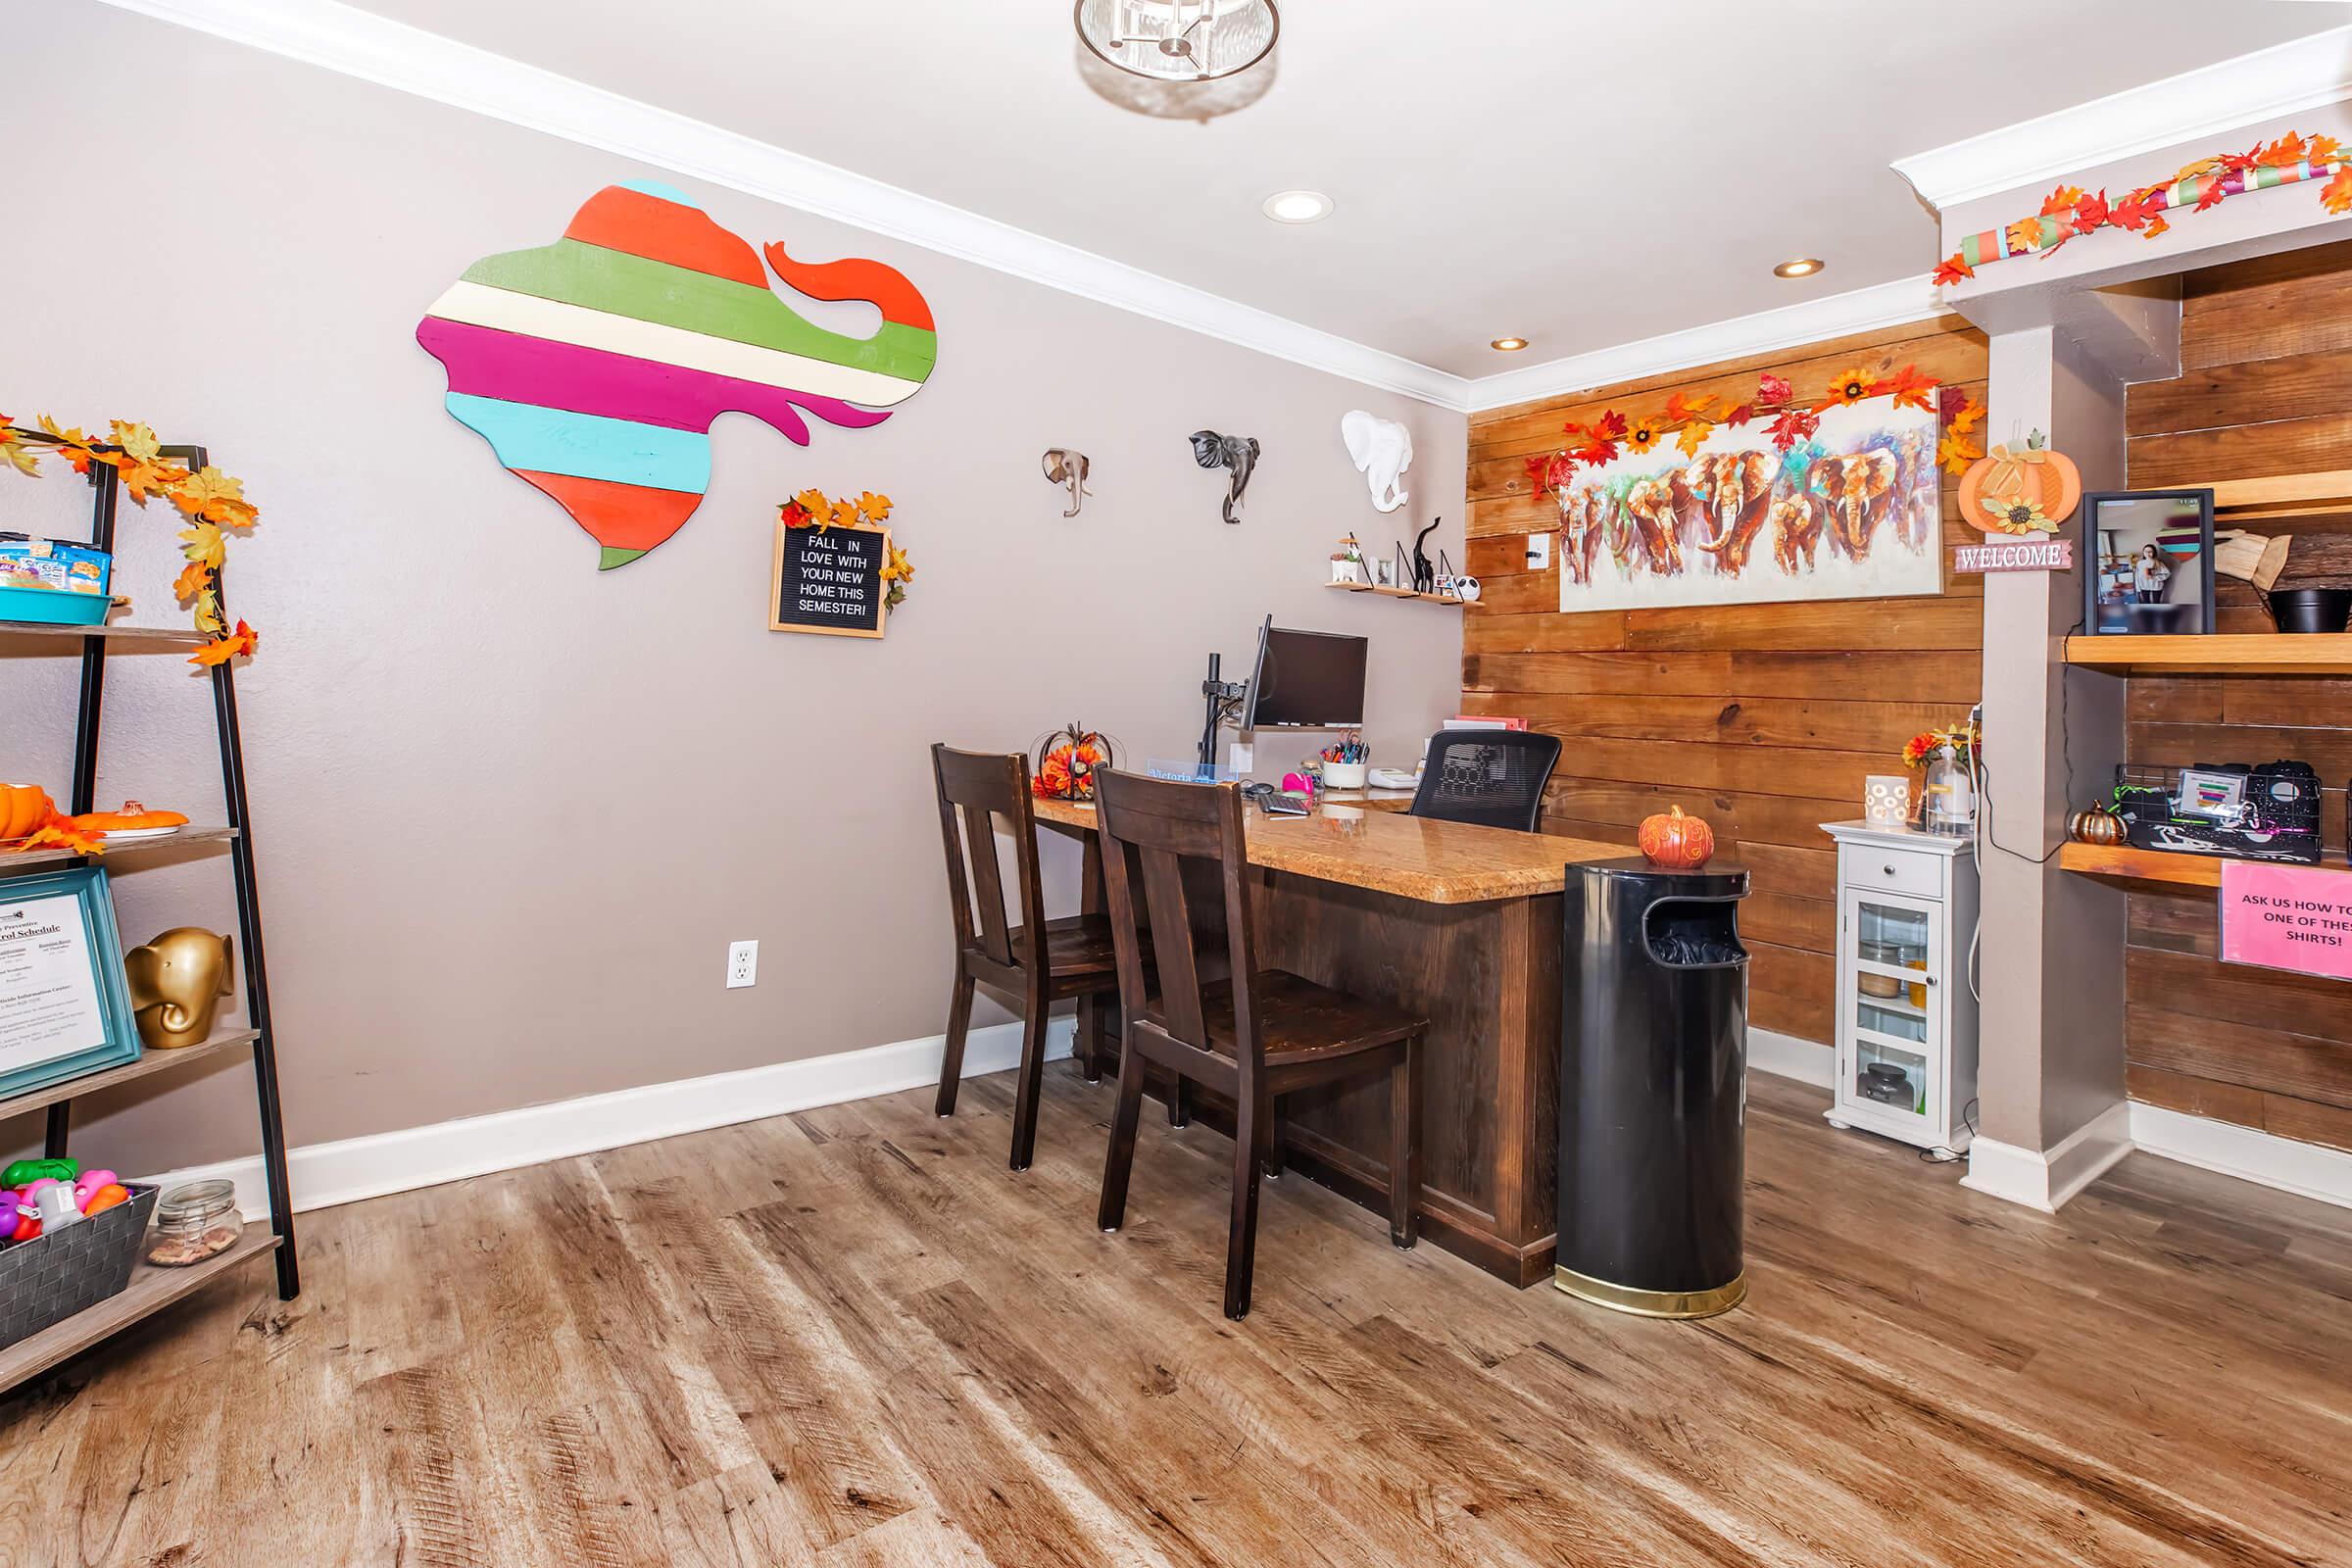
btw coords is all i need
(595, 366)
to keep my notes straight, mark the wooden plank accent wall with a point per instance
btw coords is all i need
(1762, 718)
(2266, 388)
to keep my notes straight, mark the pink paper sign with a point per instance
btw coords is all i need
(2287, 917)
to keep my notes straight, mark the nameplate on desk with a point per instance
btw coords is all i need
(829, 581)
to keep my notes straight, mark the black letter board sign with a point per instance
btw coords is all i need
(829, 581)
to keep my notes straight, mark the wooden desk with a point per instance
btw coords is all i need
(1461, 923)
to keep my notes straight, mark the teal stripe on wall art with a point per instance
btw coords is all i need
(588, 446)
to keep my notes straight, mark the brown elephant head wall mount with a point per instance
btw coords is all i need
(1235, 454)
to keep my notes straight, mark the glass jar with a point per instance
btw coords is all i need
(1879, 985)
(194, 1221)
(1949, 795)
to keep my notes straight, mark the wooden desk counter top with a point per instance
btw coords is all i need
(1389, 852)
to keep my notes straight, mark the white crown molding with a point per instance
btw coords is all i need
(325, 1175)
(1861, 310)
(357, 43)
(2283, 80)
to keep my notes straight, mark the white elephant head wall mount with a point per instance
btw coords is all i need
(1380, 450)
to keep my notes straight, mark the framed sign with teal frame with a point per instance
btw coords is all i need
(64, 1010)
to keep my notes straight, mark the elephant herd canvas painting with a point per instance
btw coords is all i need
(1851, 511)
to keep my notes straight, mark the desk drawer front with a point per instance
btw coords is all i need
(1866, 866)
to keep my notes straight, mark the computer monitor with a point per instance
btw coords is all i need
(1305, 680)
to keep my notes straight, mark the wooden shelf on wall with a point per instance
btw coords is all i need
(151, 1289)
(17, 859)
(154, 636)
(1394, 593)
(149, 1061)
(2250, 653)
(2127, 864)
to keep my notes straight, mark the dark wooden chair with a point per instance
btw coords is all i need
(1489, 777)
(1075, 959)
(1256, 1035)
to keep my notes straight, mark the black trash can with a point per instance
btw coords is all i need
(1653, 1088)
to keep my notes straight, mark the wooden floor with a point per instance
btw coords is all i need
(852, 1336)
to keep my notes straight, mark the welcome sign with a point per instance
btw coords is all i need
(2287, 917)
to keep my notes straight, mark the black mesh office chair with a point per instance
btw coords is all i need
(1493, 777)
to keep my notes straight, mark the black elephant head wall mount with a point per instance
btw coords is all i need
(1236, 454)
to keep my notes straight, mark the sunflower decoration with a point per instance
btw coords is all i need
(1644, 434)
(1848, 387)
(2016, 514)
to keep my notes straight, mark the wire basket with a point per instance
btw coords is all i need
(62, 1272)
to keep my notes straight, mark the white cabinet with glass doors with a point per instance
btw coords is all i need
(1906, 1018)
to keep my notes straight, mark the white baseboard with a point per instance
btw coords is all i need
(2307, 1169)
(324, 1175)
(1787, 1056)
(2046, 1179)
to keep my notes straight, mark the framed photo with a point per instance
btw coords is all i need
(1384, 575)
(64, 1008)
(2147, 562)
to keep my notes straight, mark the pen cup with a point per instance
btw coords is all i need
(1343, 775)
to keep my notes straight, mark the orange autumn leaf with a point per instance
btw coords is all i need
(2284, 153)
(1908, 387)
(2060, 203)
(244, 640)
(1681, 410)
(813, 503)
(1956, 451)
(1967, 418)
(212, 496)
(2336, 194)
(873, 507)
(191, 581)
(61, 832)
(21, 457)
(2157, 225)
(2024, 234)
(1693, 436)
(2319, 149)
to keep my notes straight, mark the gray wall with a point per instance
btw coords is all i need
(510, 811)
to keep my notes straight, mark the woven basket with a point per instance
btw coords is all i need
(60, 1273)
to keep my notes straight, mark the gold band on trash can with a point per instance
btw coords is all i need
(1651, 1303)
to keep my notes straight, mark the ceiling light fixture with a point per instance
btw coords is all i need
(1508, 345)
(1802, 266)
(1179, 40)
(1297, 207)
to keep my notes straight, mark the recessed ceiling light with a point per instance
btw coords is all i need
(1298, 206)
(1508, 345)
(1802, 266)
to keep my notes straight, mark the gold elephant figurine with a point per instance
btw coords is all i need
(177, 983)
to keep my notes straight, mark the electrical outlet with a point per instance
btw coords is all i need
(743, 963)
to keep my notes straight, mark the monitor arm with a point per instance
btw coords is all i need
(1222, 701)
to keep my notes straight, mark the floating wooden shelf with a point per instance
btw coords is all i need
(150, 1061)
(158, 636)
(116, 850)
(2142, 866)
(2244, 654)
(2132, 864)
(1394, 593)
(150, 1290)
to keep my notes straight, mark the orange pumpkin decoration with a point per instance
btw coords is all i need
(2031, 490)
(1674, 839)
(132, 817)
(22, 808)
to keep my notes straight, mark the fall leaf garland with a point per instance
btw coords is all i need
(2069, 211)
(211, 501)
(1690, 421)
(811, 510)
